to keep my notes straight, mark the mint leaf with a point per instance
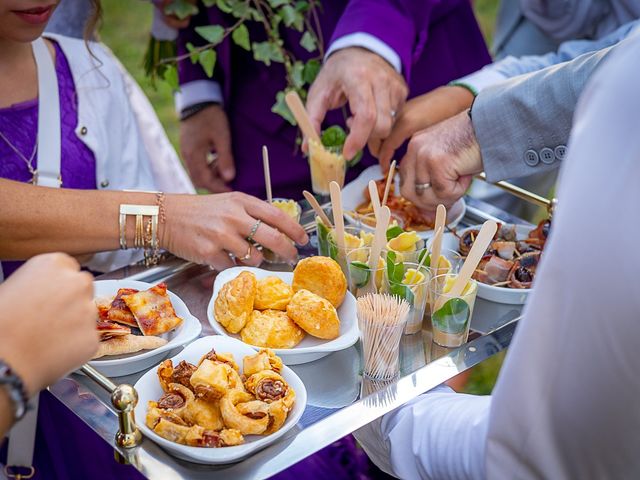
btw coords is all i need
(208, 61)
(453, 316)
(360, 274)
(421, 255)
(308, 42)
(393, 232)
(240, 37)
(333, 136)
(211, 33)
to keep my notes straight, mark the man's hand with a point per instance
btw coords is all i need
(440, 163)
(417, 114)
(205, 132)
(373, 89)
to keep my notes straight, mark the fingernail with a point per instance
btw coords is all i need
(228, 175)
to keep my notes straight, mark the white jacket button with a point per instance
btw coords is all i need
(531, 158)
(547, 156)
(104, 183)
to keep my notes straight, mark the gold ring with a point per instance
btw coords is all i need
(247, 256)
(254, 229)
(421, 187)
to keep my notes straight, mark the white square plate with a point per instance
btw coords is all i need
(148, 388)
(120, 365)
(310, 348)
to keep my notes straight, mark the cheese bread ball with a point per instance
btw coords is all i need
(314, 314)
(271, 329)
(322, 276)
(272, 294)
(234, 303)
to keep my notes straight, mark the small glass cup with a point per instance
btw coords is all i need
(413, 287)
(327, 165)
(368, 220)
(361, 278)
(338, 254)
(412, 256)
(451, 315)
(291, 208)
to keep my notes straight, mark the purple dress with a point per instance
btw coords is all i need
(437, 41)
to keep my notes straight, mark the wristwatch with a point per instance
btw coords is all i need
(14, 387)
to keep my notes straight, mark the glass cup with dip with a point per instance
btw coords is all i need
(451, 315)
(327, 165)
(291, 208)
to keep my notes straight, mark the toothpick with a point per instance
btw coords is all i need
(387, 187)
(267, 173)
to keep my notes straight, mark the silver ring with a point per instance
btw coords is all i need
(247, 256)
(211, 158)
(393, 113)
(254, 229)
(422, 187)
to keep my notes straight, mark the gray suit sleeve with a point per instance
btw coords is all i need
(523, 124)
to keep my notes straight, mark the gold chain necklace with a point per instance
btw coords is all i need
(28, 161)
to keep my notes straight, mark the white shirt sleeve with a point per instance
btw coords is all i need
(370, 42)
(439, 435)
(198, 91)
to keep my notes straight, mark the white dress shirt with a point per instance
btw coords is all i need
(567, 401)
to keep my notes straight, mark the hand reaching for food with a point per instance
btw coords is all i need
(48, 319)
(440, 163)
(371, 87)
(417, 114)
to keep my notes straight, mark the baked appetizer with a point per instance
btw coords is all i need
(265, 359)
(212, 405)
(128, 343)
(272, 294)
(272, 329)
(322, 276)
(314, 314)
(234, 303)
(212, 379)
(153, 310)
(118, 310)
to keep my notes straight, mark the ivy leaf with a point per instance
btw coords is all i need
(453, 316)
(308, 42)
(267, 52)
(278, 3)
(311, 69)
(194, 54)
(292, 18)
(170, 76)
(208, 61)
(297, 74)
(240, 37)
(211, 33)
(223, 6)
(240, 9)
(281, 108)
(302, 7)
(181, 9)
(209, 3)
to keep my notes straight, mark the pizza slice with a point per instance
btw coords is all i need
(119, 312)
(103, 304)
(153, 310)
(109, 330)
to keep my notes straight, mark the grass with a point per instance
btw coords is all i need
(125, 30)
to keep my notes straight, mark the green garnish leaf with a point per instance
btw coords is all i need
(333, 136)
(453, 316)
(393, 232)
(427, 262)
(360, 273)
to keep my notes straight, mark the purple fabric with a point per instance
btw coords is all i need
(66, 448)
(19, 123)
(438, 41)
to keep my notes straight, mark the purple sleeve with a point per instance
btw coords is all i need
(402, 24)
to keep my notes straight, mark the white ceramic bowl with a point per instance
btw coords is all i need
(353, 195)
(310, 348)
(511, 296)
(120, 365)
(148, 388)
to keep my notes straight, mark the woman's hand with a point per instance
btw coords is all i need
(417, 114)
(205, 229)
(47, 319)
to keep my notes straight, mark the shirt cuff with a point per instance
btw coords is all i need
(478, 81)
(371, 43)
(159, 29)
(198, 91)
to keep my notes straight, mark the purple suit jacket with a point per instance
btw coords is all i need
(436, 40)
